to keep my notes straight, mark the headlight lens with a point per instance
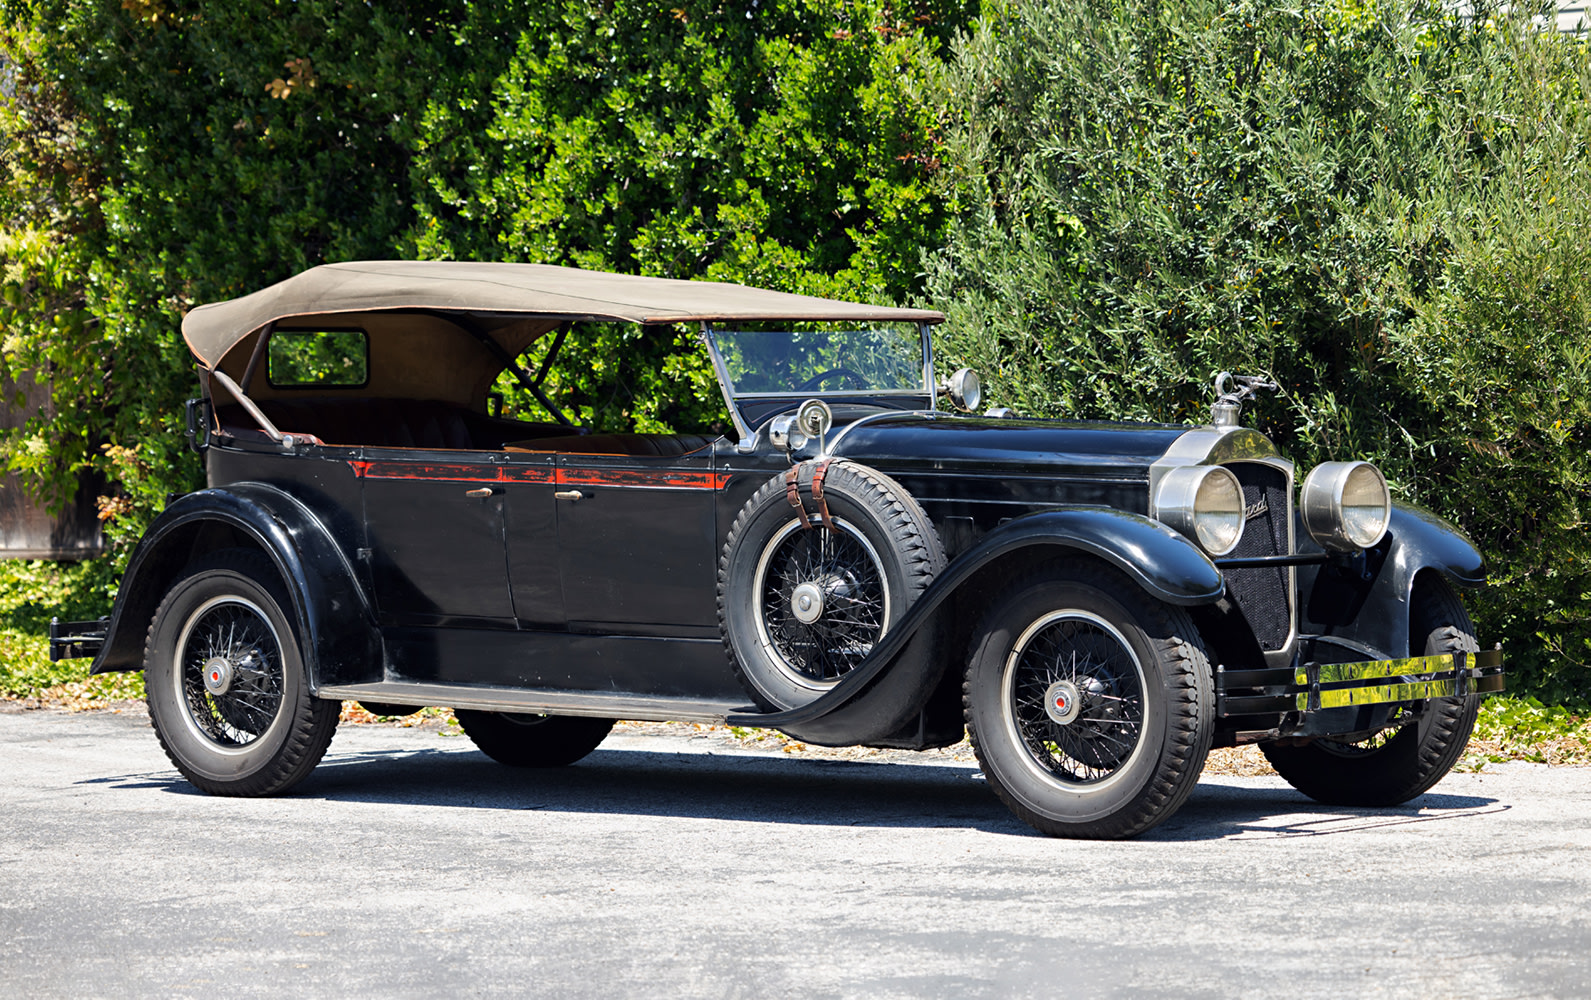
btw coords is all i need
(965, 389)
(1204, 502)
(1345, 505)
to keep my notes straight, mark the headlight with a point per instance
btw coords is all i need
(1204, 502)
(965, 389)
(1345, 505)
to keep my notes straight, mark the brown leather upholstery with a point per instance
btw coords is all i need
(657, 445)
(386, 423)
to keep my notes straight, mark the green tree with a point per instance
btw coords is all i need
(162, 153)
(1355, 198)
(784, 145)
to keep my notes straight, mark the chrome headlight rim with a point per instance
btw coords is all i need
(1205, 503)
(965, 390)
(1333, 506)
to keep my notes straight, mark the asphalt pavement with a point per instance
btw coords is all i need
(662, 866)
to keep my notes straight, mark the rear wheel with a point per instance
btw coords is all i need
(225, 682)
(520, 740)
(1400, 763)
(1090, 705)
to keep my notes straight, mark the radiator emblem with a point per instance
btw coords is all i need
(1256, 508)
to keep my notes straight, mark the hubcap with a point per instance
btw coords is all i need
(806, 603)
(1062, 702)
(217, 675)
(822, 601)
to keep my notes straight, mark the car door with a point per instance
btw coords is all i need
(529, 480)
(638, 542)
(435, 537)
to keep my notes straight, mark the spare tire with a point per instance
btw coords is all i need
(803, 599)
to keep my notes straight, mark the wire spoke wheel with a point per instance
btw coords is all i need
(1076, 693)
(1401, 716)
(230, 674)
(1091, 706)
(225, 681)
(823, 603)
(803, 607)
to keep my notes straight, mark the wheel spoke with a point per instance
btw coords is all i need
(235, 632)
(1096, 741)
(854, 610)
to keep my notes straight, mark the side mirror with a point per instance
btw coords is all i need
(792, 431)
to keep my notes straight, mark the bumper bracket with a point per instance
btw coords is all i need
(75, 640)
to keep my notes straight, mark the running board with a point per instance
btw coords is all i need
(594, 704)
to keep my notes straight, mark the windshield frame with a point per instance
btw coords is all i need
(928, 391)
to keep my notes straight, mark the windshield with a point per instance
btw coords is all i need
(887, 358)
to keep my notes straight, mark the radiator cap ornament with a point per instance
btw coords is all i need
(1230, 391)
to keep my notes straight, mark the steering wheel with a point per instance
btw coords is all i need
(822, 377)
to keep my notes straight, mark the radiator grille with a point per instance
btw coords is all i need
(1264, 595)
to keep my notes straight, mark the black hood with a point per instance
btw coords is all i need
(928, 442)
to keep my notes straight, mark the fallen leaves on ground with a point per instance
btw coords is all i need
(420, 718)
(1508, 728)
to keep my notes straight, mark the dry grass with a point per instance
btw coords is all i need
(105, 692)
(424, 718)
(1239, 762)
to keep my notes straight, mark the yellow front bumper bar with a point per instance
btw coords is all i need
(1415, 678)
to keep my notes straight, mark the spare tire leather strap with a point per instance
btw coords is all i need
(792, 492)
(820, 468)
(803, 487)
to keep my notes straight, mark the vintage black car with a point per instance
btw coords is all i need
(1096, 604)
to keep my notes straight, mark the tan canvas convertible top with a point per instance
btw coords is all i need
(560, 293)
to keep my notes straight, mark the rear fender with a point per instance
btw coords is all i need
(1367, 602)
(336, 628)
(1165, 564)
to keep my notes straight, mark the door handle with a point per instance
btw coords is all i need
(568, 494)
(484, 491)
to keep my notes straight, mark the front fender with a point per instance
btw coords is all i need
(1372, 607)
(1164, 563)
(336, 627)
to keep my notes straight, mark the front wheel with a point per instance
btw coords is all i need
(1090, 705)
(225, 683)
(521, 740)
(1398, 763)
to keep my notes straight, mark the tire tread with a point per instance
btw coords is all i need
(314, 720)
(1176, 642)
(905, 520)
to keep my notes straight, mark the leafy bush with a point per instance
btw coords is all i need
(1379, 204)
(1516, 728)
(784, 146)
(31, 592)
(157, 154)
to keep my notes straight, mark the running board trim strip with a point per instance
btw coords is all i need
(593, 704)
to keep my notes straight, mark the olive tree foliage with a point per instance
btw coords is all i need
(1380, 205)
(781, 144)
(156, 154)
